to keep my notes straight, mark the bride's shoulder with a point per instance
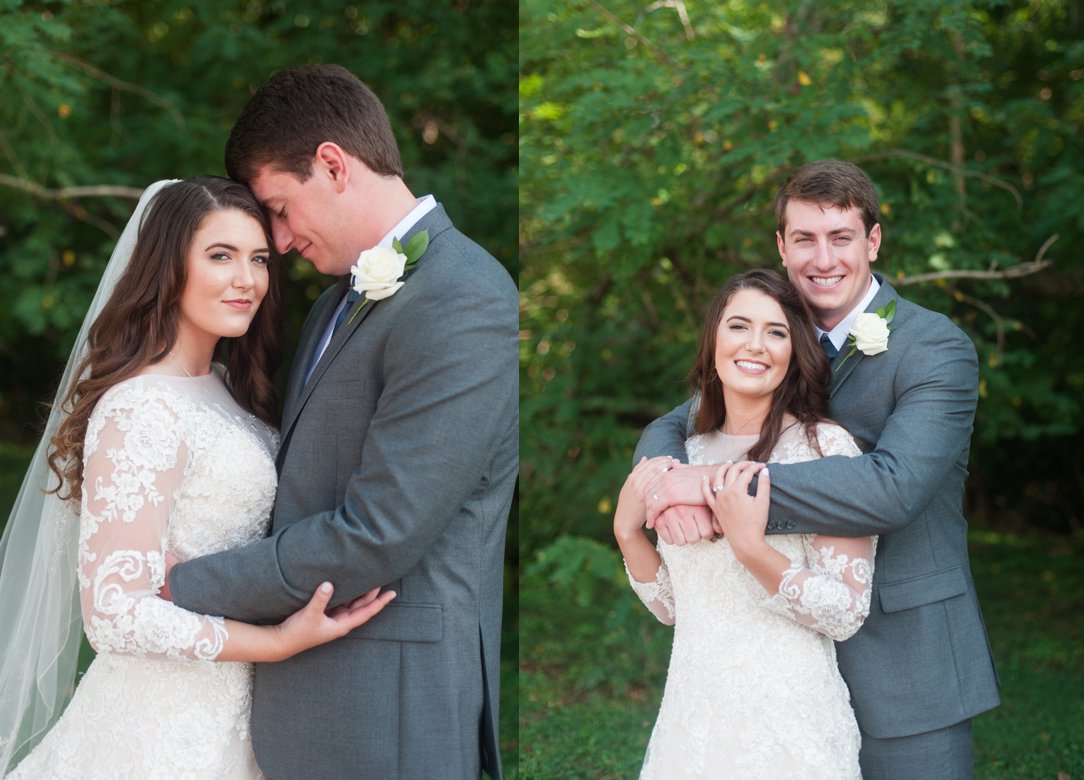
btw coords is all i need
(834, 439)
(141, 392)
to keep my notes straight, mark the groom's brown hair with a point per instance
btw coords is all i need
(829, 183)
(300, 108)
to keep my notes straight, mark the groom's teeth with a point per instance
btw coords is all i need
(752, 366)
(825, 281)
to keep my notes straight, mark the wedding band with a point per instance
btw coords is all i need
(718, 489)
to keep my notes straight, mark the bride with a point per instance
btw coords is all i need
(158, 455)
(752, 689)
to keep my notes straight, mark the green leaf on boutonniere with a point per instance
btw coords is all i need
(414, 248)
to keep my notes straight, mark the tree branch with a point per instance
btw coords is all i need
(70, 193)
(124, 86)
(633, 33)
(683, 15)
(955, 169)
(1012, 272)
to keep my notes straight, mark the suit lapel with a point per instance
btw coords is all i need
(880, 300)
(436, 221)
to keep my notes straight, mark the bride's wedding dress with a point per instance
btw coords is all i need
(753, 690)
(172, 463)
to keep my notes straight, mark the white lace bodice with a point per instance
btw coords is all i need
(170, 464)
(752, 689)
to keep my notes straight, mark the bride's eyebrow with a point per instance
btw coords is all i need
(746, 319)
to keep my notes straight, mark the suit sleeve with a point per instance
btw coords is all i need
(666, 436)
(449, 402)
(924, 441)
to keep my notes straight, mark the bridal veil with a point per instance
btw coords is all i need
(40, 622)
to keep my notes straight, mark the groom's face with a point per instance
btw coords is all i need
(307, 216)
(827, 255)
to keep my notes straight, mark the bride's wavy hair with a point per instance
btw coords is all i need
(138, 325)
(804, 389)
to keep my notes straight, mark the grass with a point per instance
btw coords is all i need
(591, 678)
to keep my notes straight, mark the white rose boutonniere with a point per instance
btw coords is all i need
(869, 334)
(380, 271)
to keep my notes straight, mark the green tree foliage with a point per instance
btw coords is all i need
(653, 139)
(102, 92)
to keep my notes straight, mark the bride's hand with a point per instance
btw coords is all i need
(630, 514)
(741, 517)
(312, 625)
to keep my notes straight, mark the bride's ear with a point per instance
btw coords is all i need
(332, 162)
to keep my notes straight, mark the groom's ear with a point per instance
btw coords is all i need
(331, 162)
(874, 241)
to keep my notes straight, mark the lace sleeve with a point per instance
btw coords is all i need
(134, 461)
(657, 595)
(832, 594)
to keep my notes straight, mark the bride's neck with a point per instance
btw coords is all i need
(744, 416)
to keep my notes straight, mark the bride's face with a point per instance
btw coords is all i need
(227, 267)
(752, 345)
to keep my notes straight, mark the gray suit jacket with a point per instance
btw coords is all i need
(397, 467)
(922, 660)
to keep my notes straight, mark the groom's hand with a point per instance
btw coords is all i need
(684, 524)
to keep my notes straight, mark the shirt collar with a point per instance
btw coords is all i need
(838, 334)
(422, 206)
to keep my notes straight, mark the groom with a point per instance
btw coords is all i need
(920, 667)
(398, 458)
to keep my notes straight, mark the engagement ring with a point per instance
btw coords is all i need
(718, 489)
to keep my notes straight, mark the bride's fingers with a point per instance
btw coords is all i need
(320, 598)
(744, 477)
(360, 601)
(356, 617)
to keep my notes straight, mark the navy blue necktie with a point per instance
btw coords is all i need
(351, 299)
(829, 348)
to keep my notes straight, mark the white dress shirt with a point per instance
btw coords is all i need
(422, 206)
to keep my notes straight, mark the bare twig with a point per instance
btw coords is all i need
(125, 86)
(956, 169)
(999, 321)
(1012, 272)
(683, 14)
(70, 193)
(632, 32)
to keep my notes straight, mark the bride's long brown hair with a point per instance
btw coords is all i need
(138, 325)
(804, 389)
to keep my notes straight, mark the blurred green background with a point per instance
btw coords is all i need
(99, 94)
(653, 137)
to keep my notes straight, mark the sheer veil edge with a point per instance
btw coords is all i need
(40, 620)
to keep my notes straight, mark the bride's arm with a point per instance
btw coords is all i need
(830, 593)
(134, 465)
(646, 570)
